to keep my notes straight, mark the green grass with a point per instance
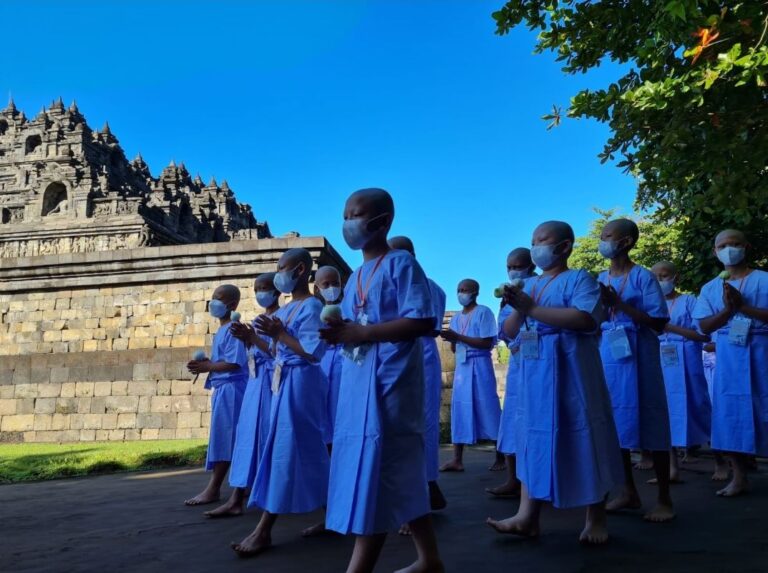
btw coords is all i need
(27, 462)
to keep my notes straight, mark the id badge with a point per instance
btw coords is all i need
(739, 330)
(276, 375)
(357, 353)
(529, 344)
(461, 353)
(618, 343)
(669, 355)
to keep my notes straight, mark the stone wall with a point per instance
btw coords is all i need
(93, 346)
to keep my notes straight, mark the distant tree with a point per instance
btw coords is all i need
(688, 110)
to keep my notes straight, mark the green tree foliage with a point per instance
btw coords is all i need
(689, 115)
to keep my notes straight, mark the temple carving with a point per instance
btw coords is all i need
(65, 188)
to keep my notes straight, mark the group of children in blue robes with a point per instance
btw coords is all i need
(342, 411)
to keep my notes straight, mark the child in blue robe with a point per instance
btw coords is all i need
(433, 387)
(378, 478)
(253, 423)
(734, 310)
(328, 284)
(565, 438)
(690, 411)
(292, 476)
(519, 267)
(637, 314)
(475, 408)
(228, 368)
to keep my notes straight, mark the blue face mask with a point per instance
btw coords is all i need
(266, 298)
(544, 257)
(730, 256)
(515, 274)
(330, 294)
(466, 298)
(356, 233)
(667, 287)
(217, 309)
(285, 282)
(608, 249)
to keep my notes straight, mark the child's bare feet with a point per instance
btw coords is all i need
(522, 526)
(595, 530)
(229, 509)
(423, 567)
(203, 498)
(252, 545)
(405, 530)
(315, 530)
(452, 466)
(660, 514)
(721, 471)
(625, 500)
(734, 488)
(505, 490)
(646, 461)
(499, 465)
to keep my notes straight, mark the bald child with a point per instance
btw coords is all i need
(228, 376)
(734, 310)
(328, 285)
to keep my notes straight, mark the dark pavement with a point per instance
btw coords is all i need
(137, 523)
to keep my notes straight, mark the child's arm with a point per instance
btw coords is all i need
(200, 366)
(688, 333)
(275, 329)
(567, 318)
(733, 296)
(611, 299)
(474, 341)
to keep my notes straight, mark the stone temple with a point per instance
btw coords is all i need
(105, 271)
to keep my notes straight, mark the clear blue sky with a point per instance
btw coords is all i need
(298, 103)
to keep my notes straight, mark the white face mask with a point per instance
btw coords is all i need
(730, 256)
(330, 294)
(515, 274)
(667, 287)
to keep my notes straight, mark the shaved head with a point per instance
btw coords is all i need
(228, 294)
(402, 243)
(469, 285)
(294, 257)
(560, 230)
(521, 255)
(619, 228)
(327, 273)
(664, 266)
(377, 200)
(265, 281)
(731, 235)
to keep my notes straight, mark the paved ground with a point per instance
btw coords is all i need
(136, 523)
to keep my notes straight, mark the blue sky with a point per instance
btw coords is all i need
(298, 103)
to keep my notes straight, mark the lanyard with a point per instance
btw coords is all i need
(670, 308)
(362, 293)
(288, 320)
(620, 292)
(537, 299)
(464, 324)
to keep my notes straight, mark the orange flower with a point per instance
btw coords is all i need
(707, 35)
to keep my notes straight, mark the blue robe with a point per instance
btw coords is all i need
(253, 424)
(433, 386)
(636, 383)
(293, 471)
(506, 438)
(475, 408)
(228, 390)
(567, 446)
(378, 477)
(331, 365)
(710, 361)
(690, 411)
(740, 388)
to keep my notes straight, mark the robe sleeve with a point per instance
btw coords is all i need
(485, 325)
(413, 300)
(504, 313)
(232, 350)
(653, 301)
(585, 296)
(704, 307)
(348, 302)
(307, 329)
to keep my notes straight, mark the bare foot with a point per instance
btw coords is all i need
(594, 533)
(673, 479)
(452, 466)
(734, 488)
(624, 501)
(203, 498)
(515, 526)
(252, 545)
(721, 472)
(660, 514)
(315, 530)
(405, 530)
(497, 466)
(505, 490)
(423, 567)
(229, 509)
(437, 500)
(644, 465)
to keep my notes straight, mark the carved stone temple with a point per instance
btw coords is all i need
(65, 188)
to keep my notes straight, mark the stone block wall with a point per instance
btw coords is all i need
(93, 346)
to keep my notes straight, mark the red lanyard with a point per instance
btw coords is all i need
(362, 294)
(541, 294)
(620, 291)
